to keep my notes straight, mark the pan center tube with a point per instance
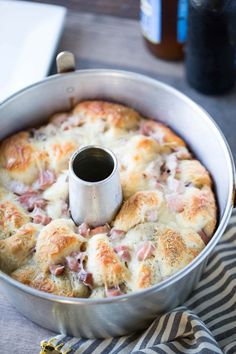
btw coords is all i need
(95, 193)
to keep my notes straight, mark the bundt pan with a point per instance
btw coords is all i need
(100, 318)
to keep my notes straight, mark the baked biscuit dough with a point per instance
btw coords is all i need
(20, 158)
(56, 241)
(104, 264)
(168, 214)
(17, 249)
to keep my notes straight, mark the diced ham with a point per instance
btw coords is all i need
(152, 215)
(56, 269)
(84, 229)
(86, 278)
(59, 118)
(46, 179)
(113, 292)
(123, 252)
(204, 237)
(73, 263)
(148, 128)
(80, 256)
(116, 234)
(40, 217)
(30, 200)
(19, 188)
(100, 230)
(146, 251)
(159, 186)
(174, 185)
(73, 121)
(175, 202)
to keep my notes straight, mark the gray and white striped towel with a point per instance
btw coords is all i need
(205, 324)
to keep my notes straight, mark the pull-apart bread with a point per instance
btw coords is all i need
(167, 217)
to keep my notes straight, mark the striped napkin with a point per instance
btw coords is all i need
(205, 324)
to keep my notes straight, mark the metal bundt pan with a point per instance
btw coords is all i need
(102, 318)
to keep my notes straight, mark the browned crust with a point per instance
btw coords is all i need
(12, 217)
(22, 158)
(176, 249)
(107, 267)
(16, 250)
(135, 209)
(167, 136)
(192, 171)
(114, 114)
(56, 241)
(145, 278)
(200, 211)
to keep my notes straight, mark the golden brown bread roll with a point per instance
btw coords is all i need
(167, 139)
(140, 208)
(193, 172)
(199, 210)
(56, 241)
(17, 249)
(20, 158)
(167, 217)
(12, 215)
(113, 114)
(66, 284)
(175, 248)
(104, 264)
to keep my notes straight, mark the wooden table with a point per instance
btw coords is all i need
(106, 34)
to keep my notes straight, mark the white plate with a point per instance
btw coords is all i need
(29, 33)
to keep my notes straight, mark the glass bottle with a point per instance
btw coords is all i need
(210, 48)
(164, 27)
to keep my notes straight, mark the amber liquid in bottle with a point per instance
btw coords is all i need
(170, 17)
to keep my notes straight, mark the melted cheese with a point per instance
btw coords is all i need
(168, 203)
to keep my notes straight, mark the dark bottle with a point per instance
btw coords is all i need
(210, 49)
(164, 27)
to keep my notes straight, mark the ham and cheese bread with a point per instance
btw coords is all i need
(12, 214)
(140, 208)
(162, 134)
(104, 263)
(167, 217)
(55, 242)
(175, 248)
(20, 158)
(192, 172)
(18, 248)
(112, 114)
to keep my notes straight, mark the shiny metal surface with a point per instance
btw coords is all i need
(65, 62)
(95, 193)
(118, 316)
